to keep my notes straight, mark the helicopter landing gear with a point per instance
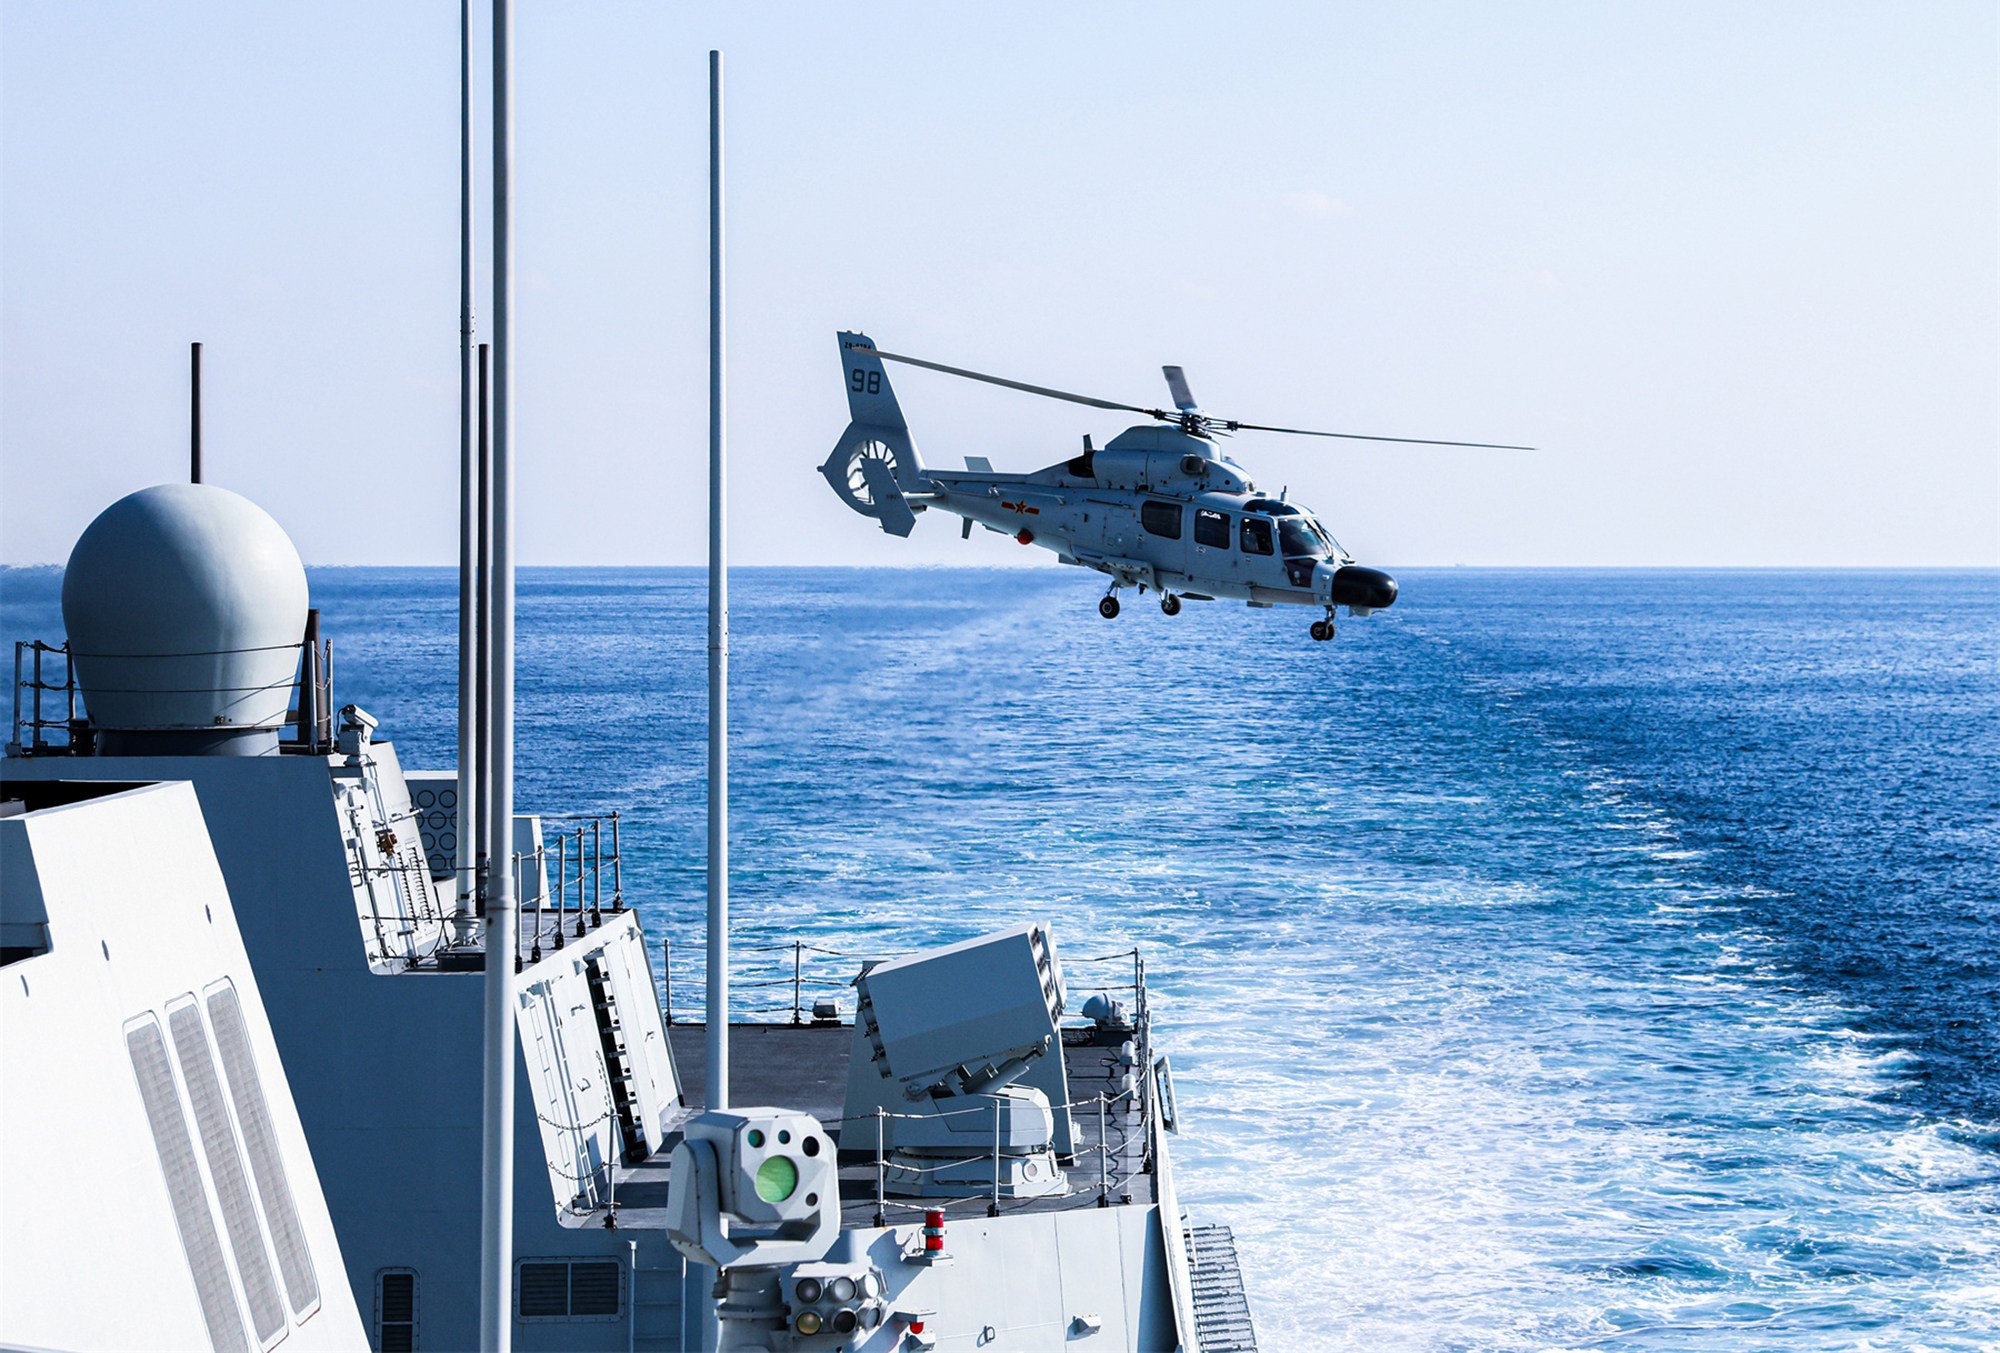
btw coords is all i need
(1170, 603)
(1322, 630)
(1108, 607)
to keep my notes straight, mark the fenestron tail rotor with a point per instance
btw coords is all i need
(1186, 412)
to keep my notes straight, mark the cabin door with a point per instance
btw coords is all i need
(1210, 558)
(1163, 535)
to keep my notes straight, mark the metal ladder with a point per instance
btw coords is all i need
(618, 1067)
(656, 1306)
(1221, 1310)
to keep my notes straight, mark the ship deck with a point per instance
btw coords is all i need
(804, 1067)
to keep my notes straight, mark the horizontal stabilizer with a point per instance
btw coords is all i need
(894, 514)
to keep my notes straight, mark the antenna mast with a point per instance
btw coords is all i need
(496, 1325)
(194, 413)
(468, 471)
(718, 628)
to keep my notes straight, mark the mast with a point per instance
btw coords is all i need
(718, 629)
(497, 1186)
(482, 645)
(194, 413)
(468, 689)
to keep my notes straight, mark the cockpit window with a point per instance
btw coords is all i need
(1256, 536)
(1302, 538)
(1271, 507)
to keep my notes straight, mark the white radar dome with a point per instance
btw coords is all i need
(186, 609)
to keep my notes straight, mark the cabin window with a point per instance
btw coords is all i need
(1211, 528)
(1256, 536)
(1161, 519)
(568, 1289)
(396, 1310)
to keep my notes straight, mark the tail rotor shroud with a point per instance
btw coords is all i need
(858, 495)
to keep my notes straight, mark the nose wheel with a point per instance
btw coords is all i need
(1322, 630)
(1170, 603)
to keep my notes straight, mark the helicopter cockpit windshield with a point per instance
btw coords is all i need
(1304, 538)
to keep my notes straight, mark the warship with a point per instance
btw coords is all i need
(368, 1058)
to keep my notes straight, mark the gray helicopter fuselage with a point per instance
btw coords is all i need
(1156, 508)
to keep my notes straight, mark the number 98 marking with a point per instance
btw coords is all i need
(864, 382)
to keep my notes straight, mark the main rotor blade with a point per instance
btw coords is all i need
(1364, 437)
(1023, 386)
(1177, 384)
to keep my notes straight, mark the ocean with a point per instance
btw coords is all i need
(1559, 959)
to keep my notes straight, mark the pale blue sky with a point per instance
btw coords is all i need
(1732, 266)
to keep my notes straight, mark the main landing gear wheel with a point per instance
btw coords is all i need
(1170, 603)
(1322, 630)
(1108, 608)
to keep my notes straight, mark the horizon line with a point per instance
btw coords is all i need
(1993, 567)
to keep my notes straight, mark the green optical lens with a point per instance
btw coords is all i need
(776, 1179)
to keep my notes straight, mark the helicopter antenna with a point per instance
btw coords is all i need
(1188, 415)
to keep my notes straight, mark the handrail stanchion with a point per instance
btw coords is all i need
(18, 645)
(993, 1208)
(326, 703)
(1103, 1157)
(881, 1168)
(667, 978)
(562, 884)
(798, 949)
(597, 871)
(617, 867)
(579, 883)
(538, 881)
(38, 692)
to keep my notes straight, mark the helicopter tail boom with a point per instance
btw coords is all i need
(874, 467)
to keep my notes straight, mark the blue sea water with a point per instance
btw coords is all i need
(1557, 960)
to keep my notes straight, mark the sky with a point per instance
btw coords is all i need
(1731, 268)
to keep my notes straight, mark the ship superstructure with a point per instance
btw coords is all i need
(1000, 1167)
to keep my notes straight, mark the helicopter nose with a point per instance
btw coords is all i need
(1369, 588)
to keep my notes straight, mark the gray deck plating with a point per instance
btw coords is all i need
(805, 1067)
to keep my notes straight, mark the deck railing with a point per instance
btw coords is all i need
(31, 683)
(794, 979)
(310, 718)
(587, 850)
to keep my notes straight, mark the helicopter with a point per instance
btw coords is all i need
(1159, 506)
